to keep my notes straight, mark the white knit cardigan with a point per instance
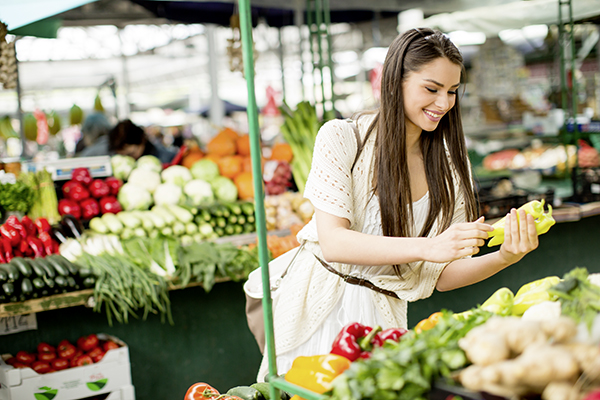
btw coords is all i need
(309, 292)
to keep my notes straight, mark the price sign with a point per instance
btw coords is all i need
(17, 323)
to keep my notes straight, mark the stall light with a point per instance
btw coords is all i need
(344, 57)
(464, 38)
(373, 57)
(531, 33)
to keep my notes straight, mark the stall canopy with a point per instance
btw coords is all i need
(493, 19)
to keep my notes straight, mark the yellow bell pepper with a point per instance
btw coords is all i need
(316, 373)
(543, 221)
(533, 293)
(500, 302)
(428, 323)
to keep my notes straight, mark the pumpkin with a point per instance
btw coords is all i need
(230, 166)
(243, 182)
(230, 133)
(282, 152)
(212, 157)
(243, 145)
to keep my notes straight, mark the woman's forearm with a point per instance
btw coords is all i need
(467, 271)
(351, 247)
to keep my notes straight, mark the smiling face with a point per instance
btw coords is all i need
(429, 94)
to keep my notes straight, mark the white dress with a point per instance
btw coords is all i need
(356, 304)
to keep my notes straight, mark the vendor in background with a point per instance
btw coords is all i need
(94, 136)
(128, 139)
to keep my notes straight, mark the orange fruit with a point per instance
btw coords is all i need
(222, 145)
(230, 166)
(191, 157)
(245, 185)
(282, 152)
(243, 145)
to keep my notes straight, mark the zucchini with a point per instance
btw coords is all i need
(23, 265)
(58, 267)
(50, 272)
(50, 284)
(9, 289)
(3, 276)
(37, 268)
(61, 282)
(12, 272)
(84, 272)
(73, 285)
(26, 288)
(73, 268)
(40, 286)
(89, 281)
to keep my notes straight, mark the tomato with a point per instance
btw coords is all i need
(81, 360)
(41, 367)
(60, 364)
(201, 391)
(19, 364)
(25, 357)
(96, 353)
(10, 361)
(86, 343)
(46, 356)
(45, 348)
(66, 350)
(109, 345)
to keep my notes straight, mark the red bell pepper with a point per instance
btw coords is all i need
(7, 250)
(89, 208)
(43, 225)
(66, 206)
(354, 341)
(114, 184)
(81, 175)
(73, 190)
(29, 226)
(110, 204)
(15, 223)
(47, 241)
(393, 334)
(98, 188)
(2, 260)
(37, 246)
(23, 245)
(11, 234)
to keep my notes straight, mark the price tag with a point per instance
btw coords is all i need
(17, 323)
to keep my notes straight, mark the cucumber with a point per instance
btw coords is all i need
(73, 285)
(38, 283)
(58, 267)
(12, 272)
(27, 288)
(23, 265)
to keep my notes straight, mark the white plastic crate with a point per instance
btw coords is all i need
(111, 375)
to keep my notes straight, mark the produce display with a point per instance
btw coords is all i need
(87, 350)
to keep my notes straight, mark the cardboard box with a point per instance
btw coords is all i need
(111, 375)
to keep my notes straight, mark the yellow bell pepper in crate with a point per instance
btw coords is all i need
(543, 221)
(533, 293)
(315, 373)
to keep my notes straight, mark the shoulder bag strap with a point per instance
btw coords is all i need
(359, 143)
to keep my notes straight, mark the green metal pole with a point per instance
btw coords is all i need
(255, 153)
(319, 18)
(311, 43)
(282, 65)
(327, 15)
(561, 49)
(573, 79)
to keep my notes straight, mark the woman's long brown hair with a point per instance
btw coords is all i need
(408, 53)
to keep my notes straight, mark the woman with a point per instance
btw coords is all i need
(403, 215)
(128, 139)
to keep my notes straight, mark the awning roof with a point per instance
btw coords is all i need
(17, 14)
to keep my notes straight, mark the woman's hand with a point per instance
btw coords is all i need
(459, 240)
(520, 236)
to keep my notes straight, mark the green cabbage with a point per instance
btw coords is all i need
(122, 166)
(149, 162)
(205, 169)
(133, 197)
(224, 189)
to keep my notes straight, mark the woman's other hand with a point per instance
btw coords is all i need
(520, 236)
(459, 240)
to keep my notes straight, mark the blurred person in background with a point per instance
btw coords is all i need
(128, 139)
(94, 136)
